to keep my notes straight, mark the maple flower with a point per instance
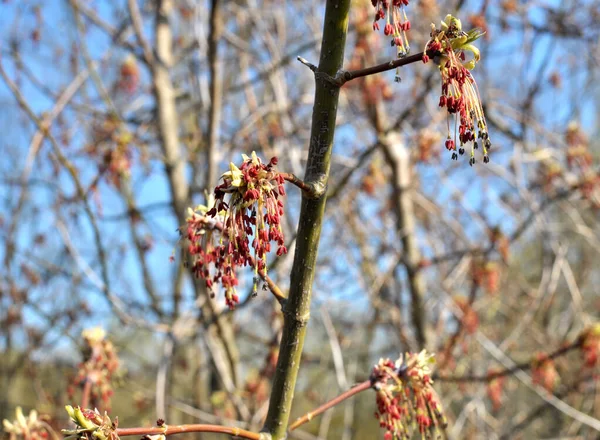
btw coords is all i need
(405, 397)
(247, 209)
(460, 95)
(396, 24)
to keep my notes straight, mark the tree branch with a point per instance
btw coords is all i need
(333, 402)
(297, 308)
(182, 429)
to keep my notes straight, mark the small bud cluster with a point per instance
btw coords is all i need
(460, 95)
(486, 274)
(32, 427)
(406, 400)
(112, 149)
(100, 366)
(544, 373)
(129, 75)
(91, 424)
(248, 209)
(495, 387)
(469, 319)
(580, 161)
(590, 346)
(396, 23)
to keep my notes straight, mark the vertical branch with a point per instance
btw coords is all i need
(398, 157)
(297, 309)
(168, 125)
(216, 90)
(167, 114)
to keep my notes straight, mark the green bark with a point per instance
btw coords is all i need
(297, 308)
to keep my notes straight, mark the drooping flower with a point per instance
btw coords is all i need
(405, 397)
(396, 23)
(460, 95)
(247, 211)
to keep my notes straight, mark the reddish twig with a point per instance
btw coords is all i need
(181, 429)
(384, 67)
(333, 402)
(348, 75)
(85, 395)
(311, 190)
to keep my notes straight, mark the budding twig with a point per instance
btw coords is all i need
(312, 190)
(343, 76)
(307, 64)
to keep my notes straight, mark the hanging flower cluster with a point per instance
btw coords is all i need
(99, 368)
(32, 427)
(460, 95)
(406, 401)
(396, 23)
(247, 210)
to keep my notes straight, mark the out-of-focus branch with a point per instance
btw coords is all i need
(138, 28)
(512, 370)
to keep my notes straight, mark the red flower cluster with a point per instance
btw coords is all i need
(405, 397)
(247, 210)
(99, 367)
(396, 24)
(460, 95)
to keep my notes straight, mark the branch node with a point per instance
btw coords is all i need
(301, 320)
(318, 187)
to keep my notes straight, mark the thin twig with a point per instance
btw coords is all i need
(311, 190)
(181, 429)
(333, 402)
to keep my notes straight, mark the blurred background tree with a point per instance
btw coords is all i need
(119, 115)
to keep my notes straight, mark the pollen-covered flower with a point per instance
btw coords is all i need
(405, 397)
(460, 95)
(247, 210)
(396, 23)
